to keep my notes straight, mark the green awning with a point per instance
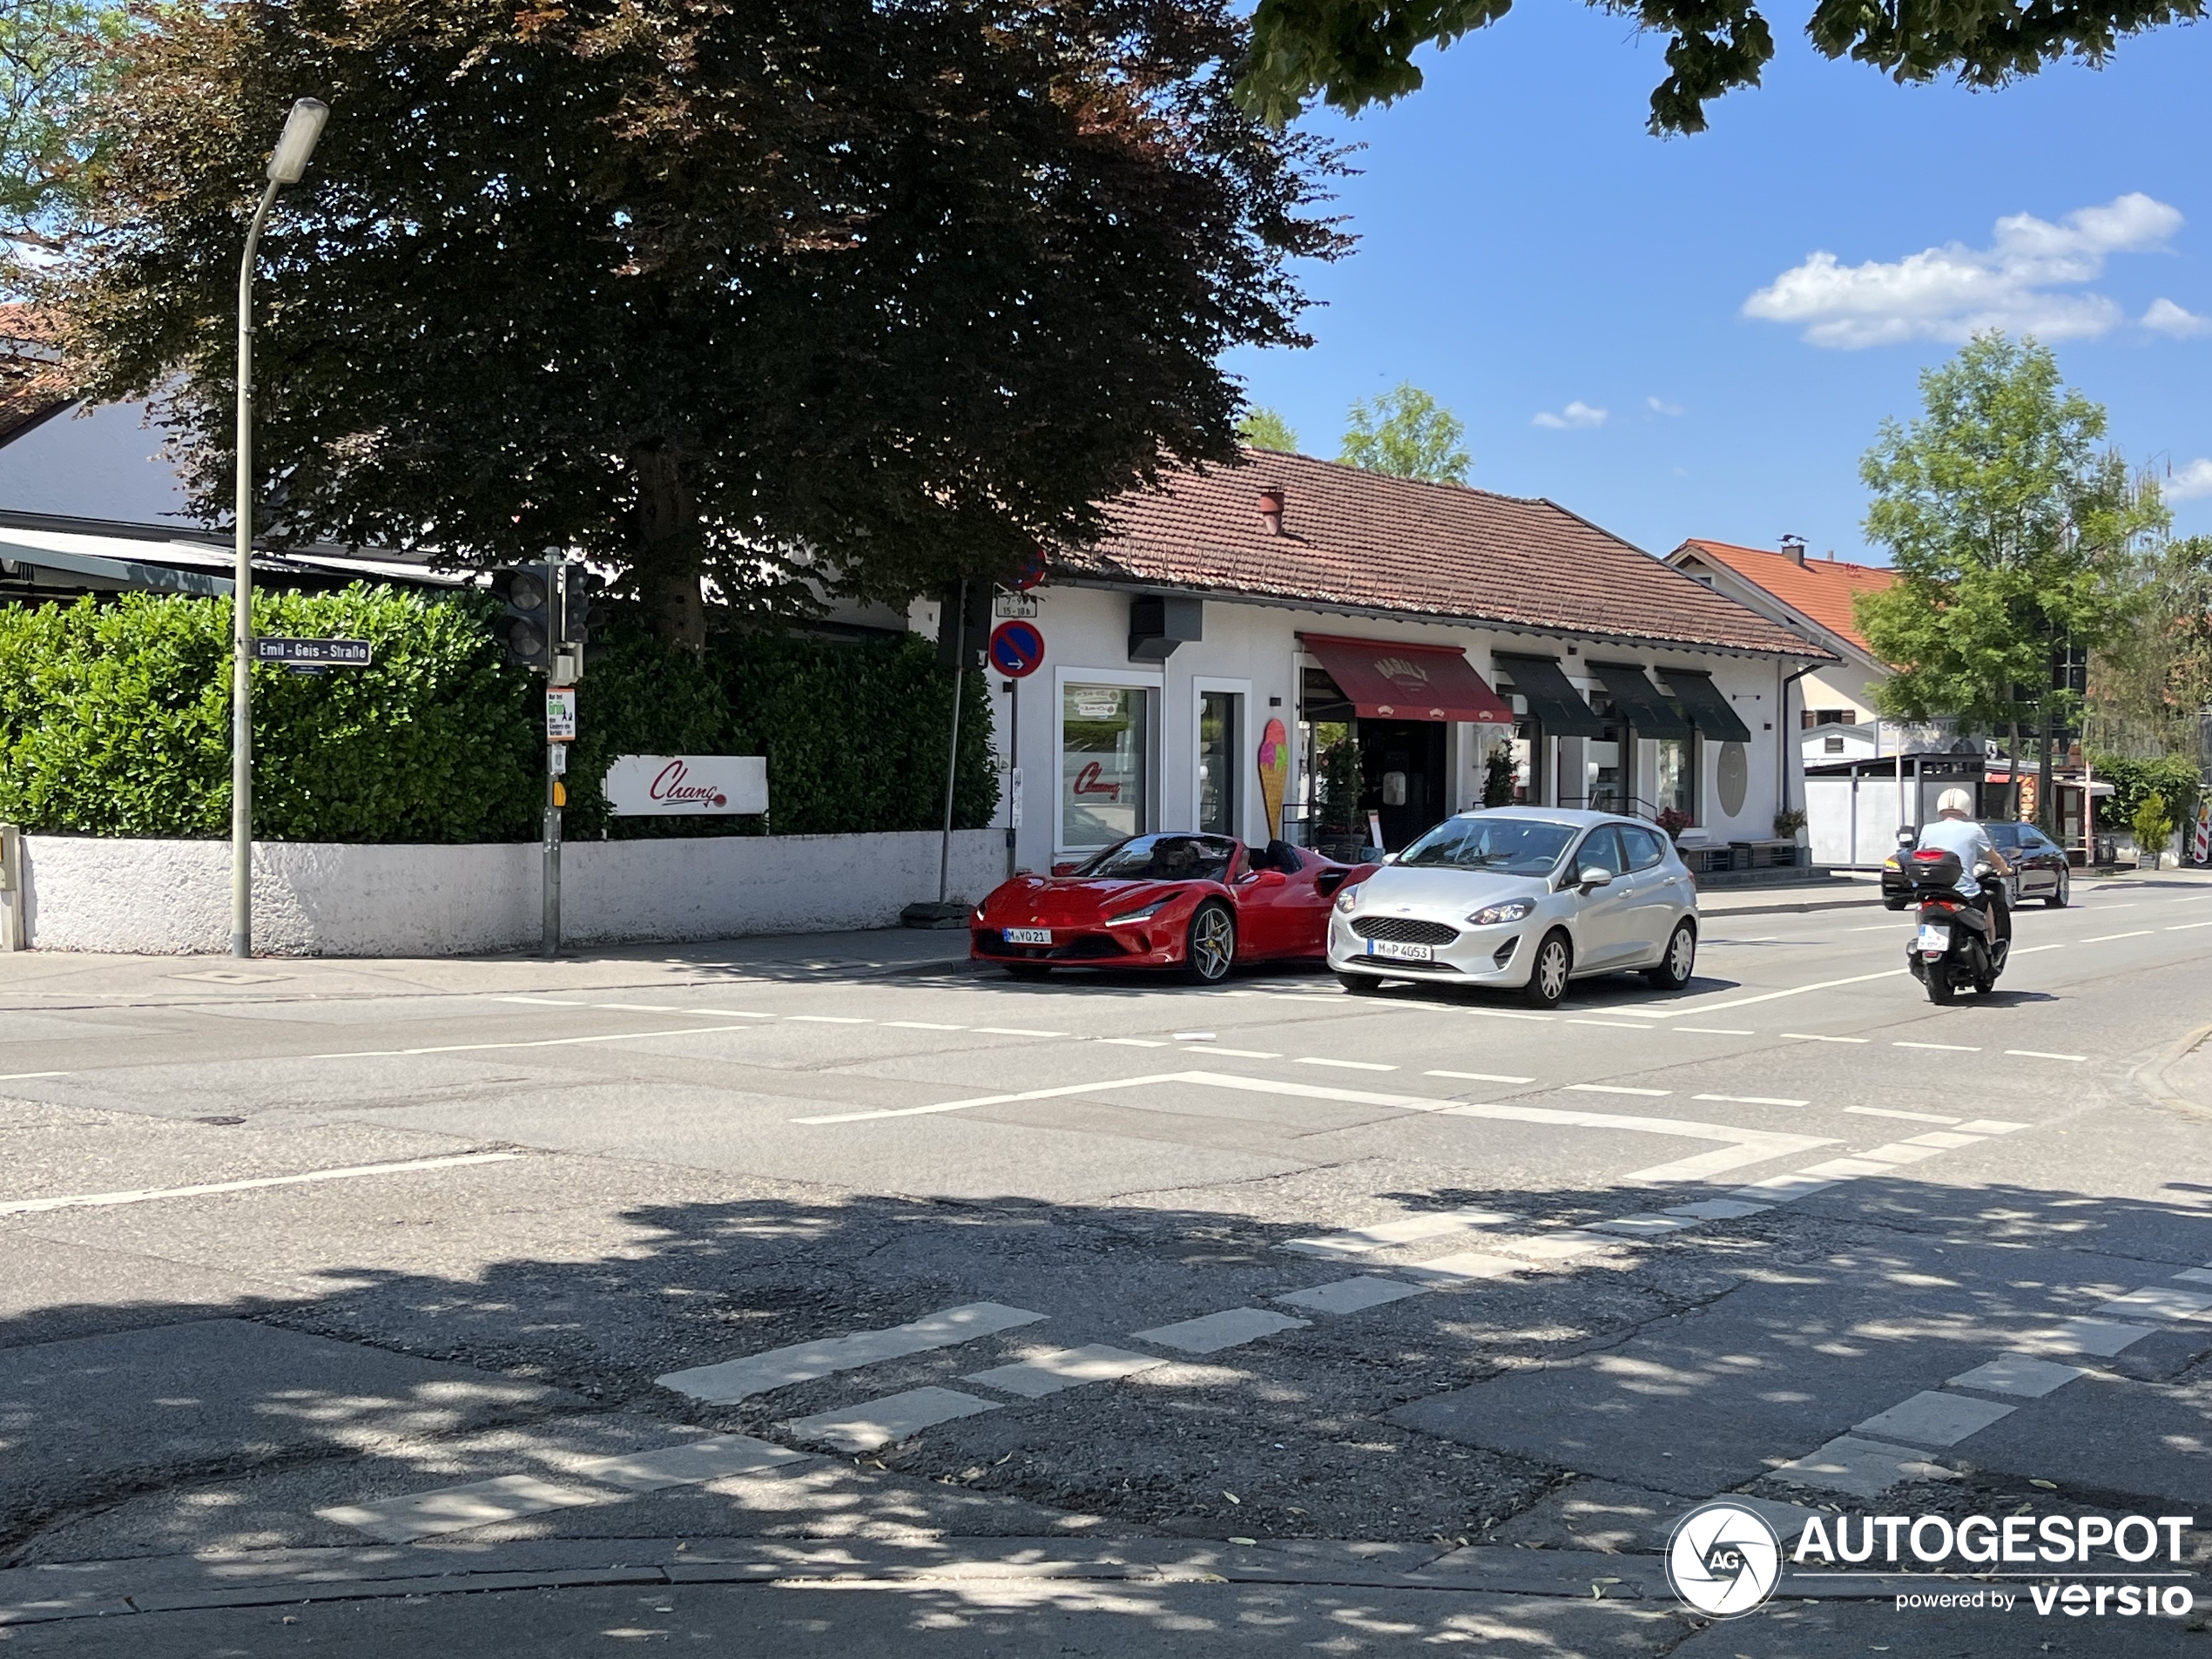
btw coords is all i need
(1709, 711)
(1552, 702)
(1639, 701)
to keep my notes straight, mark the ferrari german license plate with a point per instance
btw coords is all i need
(1399, 952)
(1028, 935)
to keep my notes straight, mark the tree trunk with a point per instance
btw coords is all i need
(2012, 771)
(665, 549)
(2045, 818)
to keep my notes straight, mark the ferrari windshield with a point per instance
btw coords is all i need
(1165, 858)
(1512, 846)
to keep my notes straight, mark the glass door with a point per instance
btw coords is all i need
(1219, 772)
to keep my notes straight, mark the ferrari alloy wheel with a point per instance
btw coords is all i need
(1674, 967)
(1549, 974)
(1212, 943)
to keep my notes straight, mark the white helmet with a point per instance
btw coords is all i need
(1956, 801)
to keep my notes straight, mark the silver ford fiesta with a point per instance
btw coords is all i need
(1524, 897)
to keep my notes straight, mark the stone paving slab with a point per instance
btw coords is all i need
(731, 1381)
(477, 1503)
(1048, 1374)
(2017, 1373)
(885, 1422)
(1861, 1467)
(1932, 1417)
(1352, 1295)
(1211, 1333)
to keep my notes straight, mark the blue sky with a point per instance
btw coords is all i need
(1527, 250)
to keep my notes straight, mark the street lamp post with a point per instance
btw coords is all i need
(301, 128)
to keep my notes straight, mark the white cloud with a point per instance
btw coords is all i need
(2190, 481)
(2166, 318)
(1577, 414)
(1660, 405)
(2018, 284)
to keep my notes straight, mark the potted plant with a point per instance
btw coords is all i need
(1674, 821)
(2152, 823)
(1790, 823)
(1497, 776)
(1341, 781)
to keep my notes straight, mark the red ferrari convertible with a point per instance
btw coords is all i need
(1199, 904)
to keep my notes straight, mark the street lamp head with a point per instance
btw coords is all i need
(297, 142)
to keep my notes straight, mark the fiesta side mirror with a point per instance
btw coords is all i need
(1594, 877)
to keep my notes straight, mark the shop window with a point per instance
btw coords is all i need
(1220, 718)
(1104, 732)
(1604, 773)
(1526, 742)
(1674, 785)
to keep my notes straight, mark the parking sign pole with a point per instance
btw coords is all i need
(555, 756)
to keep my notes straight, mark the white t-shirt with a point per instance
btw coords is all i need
(1967, 838)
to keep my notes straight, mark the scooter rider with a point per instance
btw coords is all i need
(1955, 831)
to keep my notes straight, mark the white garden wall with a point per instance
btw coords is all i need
(317, 898)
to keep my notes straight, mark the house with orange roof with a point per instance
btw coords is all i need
(1812, 596)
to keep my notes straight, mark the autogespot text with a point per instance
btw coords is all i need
(2133, 1564)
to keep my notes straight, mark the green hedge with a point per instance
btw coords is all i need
(2172, 776)
(115, 720)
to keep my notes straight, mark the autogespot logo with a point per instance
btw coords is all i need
(1724, 1560)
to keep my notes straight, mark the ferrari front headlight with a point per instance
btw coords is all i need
(1145, 914)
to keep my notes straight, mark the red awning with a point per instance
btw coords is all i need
(1387, 679)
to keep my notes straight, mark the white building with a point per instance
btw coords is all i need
(1813, 596)
(1229, 614)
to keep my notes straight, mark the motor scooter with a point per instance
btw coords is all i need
(1953, 943)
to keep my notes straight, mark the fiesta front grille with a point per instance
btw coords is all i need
(1404, 930)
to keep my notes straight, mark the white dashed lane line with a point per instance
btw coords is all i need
(1479, 1076)
(1954, 1048)
(1814, 1036)
(2139, 933)
(1345, 1065)
(1885, 1111)
(1754, 1100)
(101, 1200)
(1616, 1088)
(2038, 1053)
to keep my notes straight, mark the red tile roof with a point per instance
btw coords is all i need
(1367, 542)
(1819, 590)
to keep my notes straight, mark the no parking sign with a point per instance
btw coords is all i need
(1017, 647)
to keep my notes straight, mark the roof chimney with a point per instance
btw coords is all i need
(1793, 549)
(1271, 507)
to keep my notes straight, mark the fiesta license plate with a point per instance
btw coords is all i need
(1935, 941)
(1399, 952)
(1028, 935)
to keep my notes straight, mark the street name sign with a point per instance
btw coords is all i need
(322, 653)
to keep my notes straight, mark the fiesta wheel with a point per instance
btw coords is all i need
(1548, 974)
(1680, 961)
(1211, 944)
(1359, 984)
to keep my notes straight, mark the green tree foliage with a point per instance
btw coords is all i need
(2012, 533)
(2174, 778)
(1407, 434)
(115, 720)
(54, 55)
(1356, 53)
(2154, 674)
(1266, 428)
(867, 293)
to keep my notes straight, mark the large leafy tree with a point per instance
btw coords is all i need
(1408, 434)
(2014, 535)
(1356, 53)
(55, 56)
(863, 293)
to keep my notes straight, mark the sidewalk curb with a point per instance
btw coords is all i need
(1803, 906)
(2150, 1077)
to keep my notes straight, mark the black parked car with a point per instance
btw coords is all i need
(2039, 865)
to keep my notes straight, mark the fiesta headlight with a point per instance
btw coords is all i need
(1145, 914)
(1511, 910)
(1348, 898)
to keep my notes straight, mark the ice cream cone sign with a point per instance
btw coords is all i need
(1274, 773)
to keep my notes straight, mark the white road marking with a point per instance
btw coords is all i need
(1785, 1188)
(2032, 949)
(88, 1200)
(1943, 1139)
(1479, 1076)
(1717, 1209)
(646, 1007)
(1343, 1065)
(539, 1042)
(1954, 1048)
(1754, 1100)
(881, 1422)
(544, 1002)
(923, 1025)
(1133, 1042)
(22, 1077)
(2139, 933)
(1885, 1111)
(1713, 1030)
(1502, 1013)
(1250, 1054)
(1769, 996)
(1616, 1088)
(1357, 1241)
(2038, 1053)
(1015, 1031)
(732, 1380)
(986, 1100)
(1618, 1025)
(1211, 1333)
(2184, 928)
(734, 1014)
(1814, 1036)
(1643, 1226)
(829, 1019)
(1990, 1126)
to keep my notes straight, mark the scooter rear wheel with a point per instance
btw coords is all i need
(1940, 989)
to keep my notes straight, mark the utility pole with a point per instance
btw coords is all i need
(556, 759)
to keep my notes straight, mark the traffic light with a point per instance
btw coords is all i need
(580, 611)
(525, 623)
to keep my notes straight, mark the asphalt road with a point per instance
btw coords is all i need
(550, 1308)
